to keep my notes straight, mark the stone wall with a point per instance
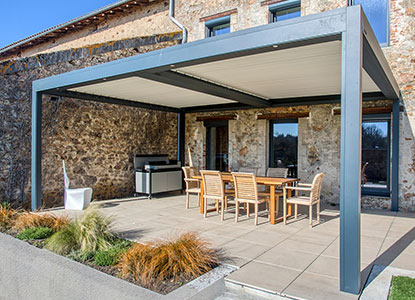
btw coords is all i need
(97, 140)
(401, 57)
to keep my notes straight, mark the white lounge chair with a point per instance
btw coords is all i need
(77, 199)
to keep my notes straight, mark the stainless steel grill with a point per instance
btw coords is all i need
(155, 173)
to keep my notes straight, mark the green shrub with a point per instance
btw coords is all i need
(35, 233)
(88, 234)
(80, 256)
(111, 256)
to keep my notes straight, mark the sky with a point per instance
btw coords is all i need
(20, 19)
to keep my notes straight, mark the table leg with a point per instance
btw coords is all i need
(202, 198)
(289, 194)
(272, 204)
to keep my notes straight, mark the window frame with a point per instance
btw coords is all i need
(382, 192)
(287, 4)
(210, 24)
(271, 135)
(388, 10)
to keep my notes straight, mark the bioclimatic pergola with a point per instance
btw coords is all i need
(328, 57)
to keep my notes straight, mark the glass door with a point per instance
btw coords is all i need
(217, 145)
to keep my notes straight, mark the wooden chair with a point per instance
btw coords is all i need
(277, 172)
(314, 189)
(192, 185)
(246, 191)
(248, 170)
(213, 188)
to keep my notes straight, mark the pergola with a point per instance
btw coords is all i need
(323, 58)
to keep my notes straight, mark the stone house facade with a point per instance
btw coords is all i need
(100, 139)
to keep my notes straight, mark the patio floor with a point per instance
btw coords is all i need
(292, 260)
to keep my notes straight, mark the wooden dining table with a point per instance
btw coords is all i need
(272, 182)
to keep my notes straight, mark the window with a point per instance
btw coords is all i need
(217, 144)
(284, 145)
(285, 10)
(377, 12)
(375, 155)
(218, 26)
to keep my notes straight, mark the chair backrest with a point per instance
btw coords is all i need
(316, 187)
(65, 176)
(277, 172)
(213, 184)
(189, 172)
(245, 186)
(248, 170)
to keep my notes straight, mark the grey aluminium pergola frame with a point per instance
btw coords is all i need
(360, 49)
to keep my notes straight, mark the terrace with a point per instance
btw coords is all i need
(292, 260)
(331, 57)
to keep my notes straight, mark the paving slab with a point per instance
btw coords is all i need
(378, 284)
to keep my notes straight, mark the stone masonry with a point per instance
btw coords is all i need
(97, 140)
(319, 134)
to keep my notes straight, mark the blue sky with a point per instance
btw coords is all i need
(20, 19)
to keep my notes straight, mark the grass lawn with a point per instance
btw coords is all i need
(402, 288)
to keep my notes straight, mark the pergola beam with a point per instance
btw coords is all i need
(375, 63)
(111, 100)
(306, 30)
(198, 85)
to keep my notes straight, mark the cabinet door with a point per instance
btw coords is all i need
(159, 182)
(174, 180)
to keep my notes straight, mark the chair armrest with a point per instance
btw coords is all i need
(298, 188)
(305, 184)
(191, 180)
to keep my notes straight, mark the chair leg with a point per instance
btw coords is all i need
(223, 209)
(187, 200)
(236, 210)
(318, 212)
(247, 209)
(296, 210)
(256, 214)
(311, 215)
(217, 206)
(284, 213)
(205, 208)
(226, 202)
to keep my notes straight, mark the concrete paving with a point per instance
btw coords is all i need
(291, 260)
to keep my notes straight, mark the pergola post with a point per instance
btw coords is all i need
(395, 155)
(350, 165)
(36, 150)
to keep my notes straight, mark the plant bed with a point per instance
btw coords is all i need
(89, 241)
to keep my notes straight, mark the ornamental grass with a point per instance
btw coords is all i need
(27, 220)
(184, 258)
(7, 216)
(88, 234)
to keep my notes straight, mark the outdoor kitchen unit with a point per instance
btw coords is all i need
(155, 173)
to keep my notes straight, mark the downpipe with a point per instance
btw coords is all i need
(171, 16)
